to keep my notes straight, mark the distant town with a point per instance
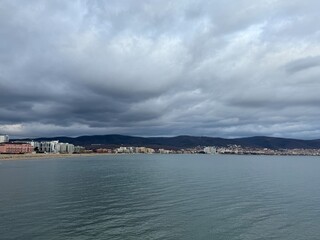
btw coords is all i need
(56, 147)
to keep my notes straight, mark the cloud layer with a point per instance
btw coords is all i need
(160, 68)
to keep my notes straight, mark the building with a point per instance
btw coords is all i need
(15, 148)
(70, 148)
(164, 151)
(4, 138)
(144, 150)
(66, 148)
(35, 145)
(79, 149)
(124, 150)
(210, 150)
(47, 147)
(53, 147)
(100, 150)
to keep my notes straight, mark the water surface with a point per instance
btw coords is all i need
(161, 197)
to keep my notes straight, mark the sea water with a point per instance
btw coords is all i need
(161, 197)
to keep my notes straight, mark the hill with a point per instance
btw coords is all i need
(179, 142)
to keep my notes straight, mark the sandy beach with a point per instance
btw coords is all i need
(45, 156)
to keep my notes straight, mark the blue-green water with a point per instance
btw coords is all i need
(161, 197)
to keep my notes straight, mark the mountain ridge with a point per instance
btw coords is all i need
(182, 141)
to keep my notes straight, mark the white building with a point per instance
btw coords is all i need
(70, 148)
(164, 151)
(53, 147)
(79, 149)
(4, 138)
(66, 148)
(49, 147)
(210, 150)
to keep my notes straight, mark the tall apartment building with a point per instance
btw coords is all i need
(49, 147)
(53, 147)
(4, 138)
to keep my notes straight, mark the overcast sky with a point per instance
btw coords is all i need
(160, 68)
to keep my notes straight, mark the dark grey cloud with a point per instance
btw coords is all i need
(216, 68)
(303, 64)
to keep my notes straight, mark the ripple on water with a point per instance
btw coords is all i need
(161, 197)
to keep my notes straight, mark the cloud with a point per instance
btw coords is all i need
(303, 64)
(149, 68)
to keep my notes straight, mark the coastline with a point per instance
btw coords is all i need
(9, 157)
(43, 156)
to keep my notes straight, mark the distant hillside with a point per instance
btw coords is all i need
(183, 141)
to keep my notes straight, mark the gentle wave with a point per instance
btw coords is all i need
(161, 197)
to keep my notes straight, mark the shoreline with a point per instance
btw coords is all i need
(32, 156)
(9, 157)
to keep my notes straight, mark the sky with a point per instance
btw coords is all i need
(216, 68)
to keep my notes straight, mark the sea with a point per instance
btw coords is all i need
(225, 197)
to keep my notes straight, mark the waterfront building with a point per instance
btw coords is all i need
(53, 147)
(70, 148)
(141, 149)
(164, 151)
(144, 150)
(15, 148)
(35, 145)
(210, 150)
(124, 150)
(49, 147)
(101, 150)
(63, 148)
(4, 138)
(79, 149)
